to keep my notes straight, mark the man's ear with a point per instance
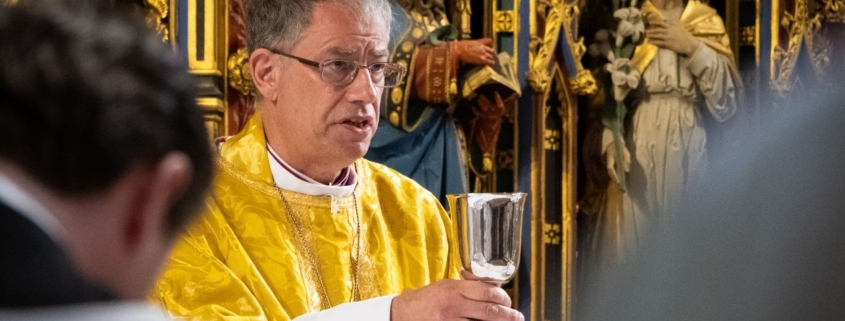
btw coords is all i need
(264, 73)
(167, 182)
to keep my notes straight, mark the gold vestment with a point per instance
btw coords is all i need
(245, 259)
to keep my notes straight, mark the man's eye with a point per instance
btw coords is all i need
(377, 67)
(339, 65)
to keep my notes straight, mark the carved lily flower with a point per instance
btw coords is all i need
(623, 75)
(630, 24)
(601, 44)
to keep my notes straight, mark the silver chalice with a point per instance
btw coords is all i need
(489, 231)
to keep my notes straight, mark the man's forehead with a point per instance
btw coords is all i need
(343, 51)
(332, 19)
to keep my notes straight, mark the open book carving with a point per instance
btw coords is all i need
(500, 77)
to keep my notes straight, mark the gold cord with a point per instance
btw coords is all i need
(312, 258)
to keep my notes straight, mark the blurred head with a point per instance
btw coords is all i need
(99, 123)
(313, 124)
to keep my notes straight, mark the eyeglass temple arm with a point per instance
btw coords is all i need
(302, 60)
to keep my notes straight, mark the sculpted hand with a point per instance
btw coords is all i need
(672, 35)
(611, 162)
(476, 52)
(454, 300)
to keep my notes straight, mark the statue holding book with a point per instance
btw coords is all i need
(418, 134)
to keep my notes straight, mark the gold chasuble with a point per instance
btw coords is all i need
(249, 258)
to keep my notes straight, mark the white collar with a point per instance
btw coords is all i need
(286, 180)
(19, 200)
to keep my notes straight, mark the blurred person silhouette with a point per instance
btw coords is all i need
(763, 241)
(104, 158)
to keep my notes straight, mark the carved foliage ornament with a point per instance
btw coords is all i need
(802, 29)
(556, 15)
(540, 50)
(834, 11)
(583, 83)
(157, 11)
(240, 77)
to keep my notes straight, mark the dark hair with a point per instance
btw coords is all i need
(86, 91)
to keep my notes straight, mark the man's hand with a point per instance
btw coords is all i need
(476, 52)
(454, 300)
(672, 35)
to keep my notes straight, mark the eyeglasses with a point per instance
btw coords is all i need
(342, 72)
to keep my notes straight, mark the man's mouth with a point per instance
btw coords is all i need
(357, 123)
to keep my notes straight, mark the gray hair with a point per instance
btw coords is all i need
(280, 24)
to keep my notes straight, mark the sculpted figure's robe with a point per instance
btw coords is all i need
(667, 137)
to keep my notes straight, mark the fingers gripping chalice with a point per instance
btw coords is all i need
(489, 231)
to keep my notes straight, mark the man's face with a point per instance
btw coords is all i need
(314, 120)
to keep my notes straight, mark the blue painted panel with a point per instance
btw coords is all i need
(505, 42)
(505, 4)
(563, 46)
(182, 26)
(524, 116)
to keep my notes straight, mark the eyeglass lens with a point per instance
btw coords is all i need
(343, 72)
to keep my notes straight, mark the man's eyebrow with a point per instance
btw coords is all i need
(352, 54)
(380, 53)
(341, 52)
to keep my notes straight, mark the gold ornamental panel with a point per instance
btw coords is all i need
(505, 20)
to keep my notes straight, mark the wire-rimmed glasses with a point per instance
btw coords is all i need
(343, 71)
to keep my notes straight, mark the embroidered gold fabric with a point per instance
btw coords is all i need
(439, 72)
(243, 259)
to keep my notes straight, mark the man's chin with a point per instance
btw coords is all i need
(352, 151)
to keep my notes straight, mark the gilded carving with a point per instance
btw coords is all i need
(157, 11)
(551, 139)
(240, 77)
(396, 95)
(394, 118)
(551, 233)
(505, 159)
(834, 11)
(748, 36)
(407, 46)
(557, 15)
(504, 21)
(538, 78)
(802, 29)
(583, 83)
(462, 15)
(541, 50)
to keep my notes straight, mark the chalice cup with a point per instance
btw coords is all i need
(489, 231)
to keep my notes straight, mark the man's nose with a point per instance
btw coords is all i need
(362, 88)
